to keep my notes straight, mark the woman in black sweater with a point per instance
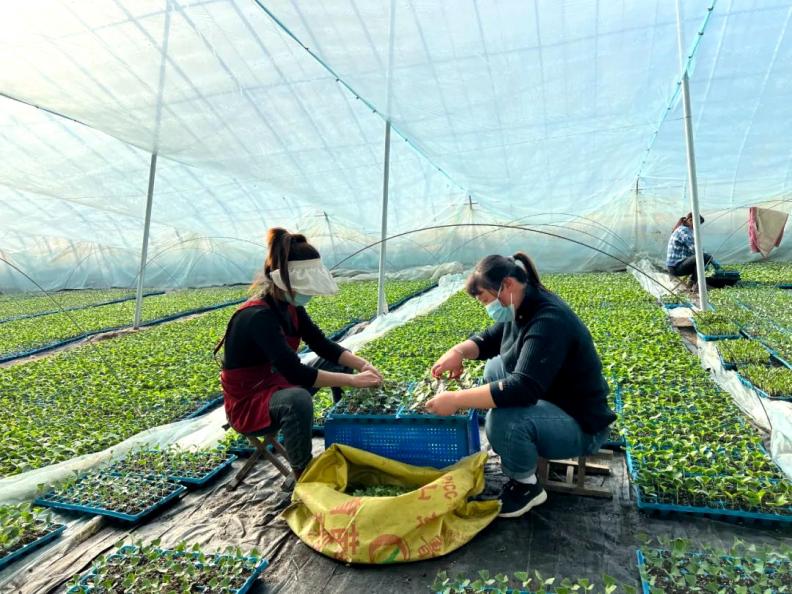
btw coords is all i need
(266, 387)
(545, 386)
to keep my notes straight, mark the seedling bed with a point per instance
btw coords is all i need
(761, 393)
(129, 498)
(142, 568)
(23, 530)
(40, 314)
(193, 468)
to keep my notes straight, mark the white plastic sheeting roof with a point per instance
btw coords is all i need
(271, 112)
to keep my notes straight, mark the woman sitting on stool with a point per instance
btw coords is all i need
(681, 255)
(266, 387)
(545, 386)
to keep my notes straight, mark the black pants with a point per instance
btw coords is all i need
(688, 266)
(291, 412)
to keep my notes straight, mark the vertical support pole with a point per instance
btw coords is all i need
(382, 302)
(691, 164)
(144, 250)
(332, 239)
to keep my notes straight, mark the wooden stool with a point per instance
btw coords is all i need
(575, 482)
(262, 445)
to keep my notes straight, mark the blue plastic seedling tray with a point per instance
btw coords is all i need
(420, 440)
(761, 393)
(205, 408)
(109, 513)
(57, 530)
(718, 513)
(202, 480)
(645, 587)
(85, 587)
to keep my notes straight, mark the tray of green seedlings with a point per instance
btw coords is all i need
(149, 569)
(521, 582)
(191, 467)
(378, 402)
(129, 497)
(24, 529)
(769, 382)
(678, 567)
(735, 354)
(674, 300)
(715, 326)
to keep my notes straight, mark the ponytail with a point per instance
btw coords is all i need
(492, 270)
(284, 247)
(532, 275)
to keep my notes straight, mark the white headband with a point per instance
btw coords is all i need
(308, 277)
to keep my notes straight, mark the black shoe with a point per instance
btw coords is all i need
(519, 498)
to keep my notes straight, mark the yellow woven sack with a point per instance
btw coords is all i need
(430, 521)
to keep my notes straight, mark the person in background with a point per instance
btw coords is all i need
(681, 254)
(266, 387)
(545, 389)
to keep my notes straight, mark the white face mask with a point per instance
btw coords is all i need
(307, 277)
(499, 312)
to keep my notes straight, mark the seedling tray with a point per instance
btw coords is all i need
(109, 513)
(57, 530)
(205, 479)
(85, 587)
(716, 513)
(417, 439)
(726, 365)
(714, 337)
(205, 408)
(645, 587)
(616, 442)
(761, 393)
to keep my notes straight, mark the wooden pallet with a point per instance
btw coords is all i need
(574, 481)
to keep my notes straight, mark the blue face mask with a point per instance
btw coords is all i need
(499, 312)
(299, 299)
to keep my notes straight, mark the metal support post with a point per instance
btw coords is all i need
(144, 251)
(691, 164)
(382, 302)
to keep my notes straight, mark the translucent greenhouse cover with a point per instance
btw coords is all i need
(560, 117)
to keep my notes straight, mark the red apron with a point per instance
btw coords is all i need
(247, 390)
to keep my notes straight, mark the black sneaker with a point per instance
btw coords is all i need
(518, 498)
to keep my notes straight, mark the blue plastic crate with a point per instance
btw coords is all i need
(417, 439)
(100, 511)
(57, 530)
(85, 588)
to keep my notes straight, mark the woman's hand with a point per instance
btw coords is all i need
(364, 379)
(444, 404)
(369, 367)
(451, 362)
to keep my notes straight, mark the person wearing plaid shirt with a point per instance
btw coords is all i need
(681, 254)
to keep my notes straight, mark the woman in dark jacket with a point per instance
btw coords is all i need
(266, 387)
(545, 386)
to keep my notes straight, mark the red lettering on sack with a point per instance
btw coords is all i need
(423, 492)
(348, 508)
(430, 548)
(449, 488)
(384, 542)
(425, 520)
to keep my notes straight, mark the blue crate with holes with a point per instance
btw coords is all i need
(417, 439)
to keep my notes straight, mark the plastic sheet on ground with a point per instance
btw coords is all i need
(567, 536)
(774, 416)
(653, 281)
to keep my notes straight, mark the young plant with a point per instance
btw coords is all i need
(148, 569)
(21, 525)
(743, 352)
(776, 382)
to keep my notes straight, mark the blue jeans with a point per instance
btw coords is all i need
(519, 435)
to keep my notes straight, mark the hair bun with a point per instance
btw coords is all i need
(298, 238)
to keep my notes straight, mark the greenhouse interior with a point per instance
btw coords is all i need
(443, 296)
